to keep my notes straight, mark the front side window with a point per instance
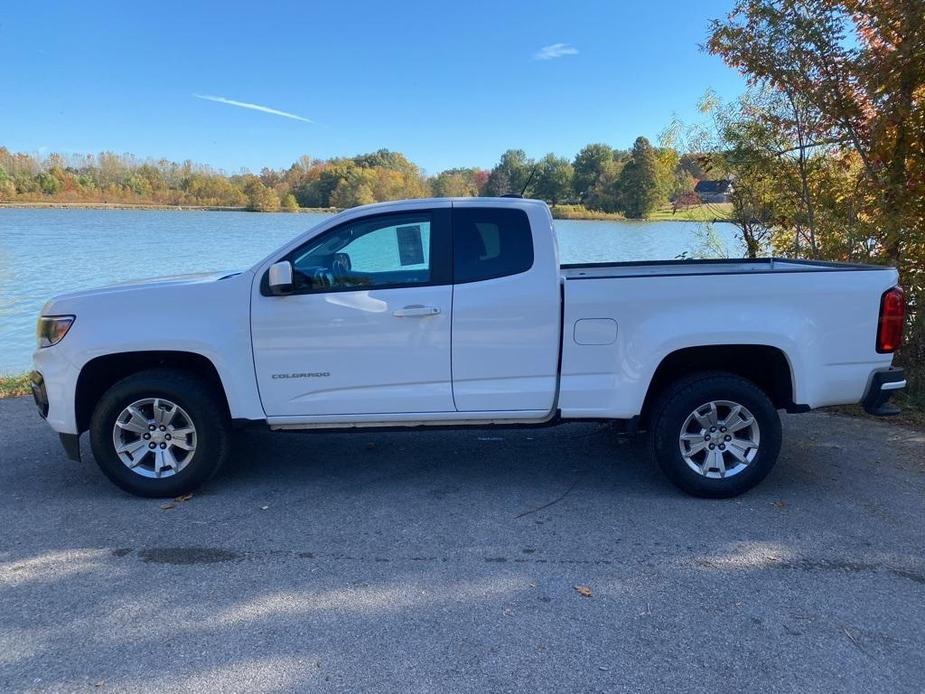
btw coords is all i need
(385, 251)
(489, 243)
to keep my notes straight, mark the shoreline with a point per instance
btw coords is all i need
(158, 207)
(565, 212)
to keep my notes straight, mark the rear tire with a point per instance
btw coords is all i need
(715, 435)
(160, 433)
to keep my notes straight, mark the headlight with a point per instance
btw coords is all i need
(52, 329)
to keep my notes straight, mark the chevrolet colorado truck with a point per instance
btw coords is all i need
(457, 312)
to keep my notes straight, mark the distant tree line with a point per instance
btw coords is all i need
(633, 182)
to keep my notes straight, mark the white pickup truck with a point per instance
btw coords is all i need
(456, 312)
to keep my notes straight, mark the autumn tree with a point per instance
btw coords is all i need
(458, 183)
(853, 74)
(260, 198)
(858, 69)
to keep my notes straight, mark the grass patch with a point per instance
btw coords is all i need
(14, 386)
(581, 212)
(699, 213)
(719, 212)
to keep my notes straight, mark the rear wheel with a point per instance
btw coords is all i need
(715, 434)
(159, 433)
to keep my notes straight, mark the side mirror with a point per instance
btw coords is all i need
(280, 279)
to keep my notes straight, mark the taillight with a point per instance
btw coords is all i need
(892, 320)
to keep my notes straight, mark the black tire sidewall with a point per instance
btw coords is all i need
(680, 400)
(186, 391)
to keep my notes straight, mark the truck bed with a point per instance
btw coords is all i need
(620, 327)
(674, 268)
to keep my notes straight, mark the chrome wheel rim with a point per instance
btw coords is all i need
(154, 437)
(719, 439)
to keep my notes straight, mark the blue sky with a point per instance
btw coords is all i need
(446, 84)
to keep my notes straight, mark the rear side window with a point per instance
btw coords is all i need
(490, 242)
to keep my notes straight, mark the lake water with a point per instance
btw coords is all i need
(44, 252)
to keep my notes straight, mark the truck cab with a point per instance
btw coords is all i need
(399, 313)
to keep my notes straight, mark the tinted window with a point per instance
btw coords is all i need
(489, 243)
(391, 250)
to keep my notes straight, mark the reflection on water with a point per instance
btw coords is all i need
(46, 252)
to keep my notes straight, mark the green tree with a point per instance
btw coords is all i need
(638, 184)
(604, 195)
(553, 179)
(47, 183)
(590, 165)
(139, 185)
(319, 184)
(386, 159)
(456, 183)
(510, 174)
(355, 189)
(7, 186)
(289, 203)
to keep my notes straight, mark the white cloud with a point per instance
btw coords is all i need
(253, 107)
(556, 50)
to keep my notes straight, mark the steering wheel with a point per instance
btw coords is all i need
(323, 278)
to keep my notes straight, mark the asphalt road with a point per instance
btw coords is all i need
(427, 562)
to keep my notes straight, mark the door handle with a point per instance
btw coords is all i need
(416, 311)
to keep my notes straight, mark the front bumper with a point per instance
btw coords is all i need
(39, 393)
(54, 382)
(70, 442)
(882, 386)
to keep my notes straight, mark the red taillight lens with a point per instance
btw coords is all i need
(892, 320)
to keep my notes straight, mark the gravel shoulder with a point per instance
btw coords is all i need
(448, 561)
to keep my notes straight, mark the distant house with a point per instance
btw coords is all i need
(714, 191)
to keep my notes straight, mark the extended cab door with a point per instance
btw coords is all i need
(506, 307)
(366, 329)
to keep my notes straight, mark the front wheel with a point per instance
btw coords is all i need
(159, 433)
(715, 434)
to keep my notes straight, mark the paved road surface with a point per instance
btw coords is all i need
(417, 562)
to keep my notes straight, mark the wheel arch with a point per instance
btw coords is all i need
(102, 372)
(767, 367)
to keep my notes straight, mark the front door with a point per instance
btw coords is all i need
(366, 329)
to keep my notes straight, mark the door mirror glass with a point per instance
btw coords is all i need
(280, 279)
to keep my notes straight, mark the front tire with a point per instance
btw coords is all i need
(715, 435)
(159, 433)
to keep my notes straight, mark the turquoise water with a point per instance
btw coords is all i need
(49, 251)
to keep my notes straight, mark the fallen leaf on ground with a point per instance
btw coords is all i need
(781, 504)
(184, 497)
(167, 507)
(583, 591)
